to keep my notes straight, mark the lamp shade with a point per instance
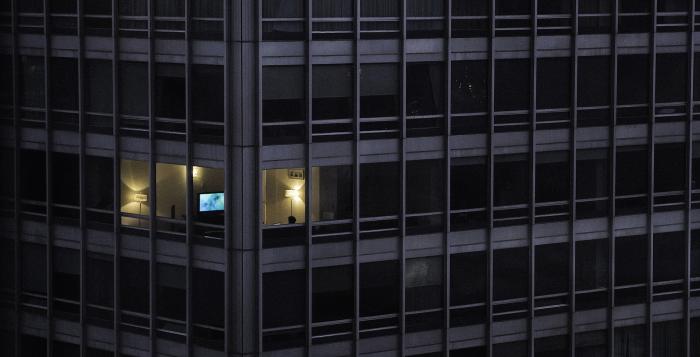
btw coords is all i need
(291, 193)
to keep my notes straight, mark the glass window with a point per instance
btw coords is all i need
(593, 80)
(553, 7)
(207, 19)
(379, 288)
(671, 77)
(510, 349)
(134, 192)
(695, 254)
(64, 83)
(99, 182)
(63, 6)
(468, 183)
(673, 5)
(379, 189)
(379, 8)
(332, 197)
(513, 7)
(283, 9)
(289, 308)
(509, 186)
(98, 7)
(332, 293)
(332, 91)
(633, 79)
(133, 7)
(512, 82)
(65, 349)
(133, 89)
(99, 279)
(33, 268)
(31, 346)
(32, 81)
(669, 167)
(470, 8)
(379, 90)
(33, 175)
(551, 269)
(171, 291)
(510, 273)
(630, 341)
(170, 91)
(631, 174)
(170, 191)
(425, 186)
(470, 85)
(630, 260)
(31, 6)
(592, 344)
(554, 346)
(208, 201)
(7, 266)
(170, 8)
(423, 283)
(208, 297)
(695, 337)
(98, 86)
(634, 5)
(592, 264)
(6, 74)
(284, 196)
(668, 339)
(7, 174)
(668, 250)
(592, 173)
(424, 88)
(332, 8)
(66, 275)
(468, 277)
(208, 93)
(283, 100)
(552, 176)
(66, 185)
(554, 81)
(134, 285)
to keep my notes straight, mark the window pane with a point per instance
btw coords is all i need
(332, 91)
(208, 93)
(171, 291)
(470, 8)
(668, 250)
(669, 167)
(668, 339)
(134, 285)
(593, 81)
(33, 268)
(170, 8)
(554, 81)
(66, 274)
(671, 77)
(423, 283)
(133, 89)
(509, 186)
(99, 182)
(379, 8)
(630, 260)
(379, 90)
(33, 175)
(592, 173)
(134, 192)
(512, 83)
(64, 83)
(552, 176)
(170, 91)
(379, 288)
(424, 186)
(283, 93)
(470, 86)
(288, 308)
(631, 174)
(633, 79)
(424, 88)
(100, 279)
(591, 264)
(513, 7)
(555, 346)
(332, 293)
(65, 186)
(379, 189)
(592, 344)
(551, 269)
(510, 273)
(284, 195)
(170, 190)
(32, 81)
(332, 193)
(630, 341)
(98, 86)
(468, 278)
(468, 183)
(208, 297)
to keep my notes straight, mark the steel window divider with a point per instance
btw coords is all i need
(650, 191)
(152, 172)
(573, 145)
(189, 179)
(17, 179)
(447, 180)
(116, 180)
(689, 180)
(489, 181)
(81, 177)
(48, 145)
(532, 168)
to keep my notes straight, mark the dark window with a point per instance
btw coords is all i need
(512, 83)
(6, 73)
(671, 77)
(100, 279)
(99, 182)
(379, 288)
(513, 7)
(283, 9)
(379, 90)
(424, 88)
(669, 167)
(635, 5)
(32, 82)
(468, 278)
(171, 291)
(98, 86)
(423, 280)
(668, 339)
(593, 81)
(631, 171)
(283, 97)
(630, 260)
(592, 173)
(592, 344)
(7, 173)
(668, 250)
(133, 7)
(673, 5)
(551, 269)
(695, 337)
(633, 79)
(510, 349)
(98, 7)
(555, 346)
(379, 8)
(468, 183)
(133, 89)
(66, 274)
(134, 285)
(696, 77)
(208, 297)
(332, 293)
(7, 266)
(33, 268)
(332, 91)
(470, 86)
(552, 176)
(334, 196)
(695, 254)
(379, 189)
(208, 93)
(64, 349)
(207, 22)
(170, 8)
(630, 341)
(554, 81)
(510, 273)
(592, 264)
(424, 186)
(32, 346)
(33, 175)
(470, 7)
(31, 6)
(510, 180)
(284, 298)
(553, 7)
(170, 91)
(63, 6)
(64, 83)
(65, 180)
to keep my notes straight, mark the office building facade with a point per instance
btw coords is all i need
(337, 177)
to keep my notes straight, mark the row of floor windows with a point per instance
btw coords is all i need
(285, 208)
(332, 288)
(630, 341)
(284, 105)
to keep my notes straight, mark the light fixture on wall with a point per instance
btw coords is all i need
(292, 194)
(195, 172)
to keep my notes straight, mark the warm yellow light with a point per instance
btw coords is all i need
(291, 193)
(140, 197)
(195, 171)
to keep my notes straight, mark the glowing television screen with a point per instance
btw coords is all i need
(211, 202)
